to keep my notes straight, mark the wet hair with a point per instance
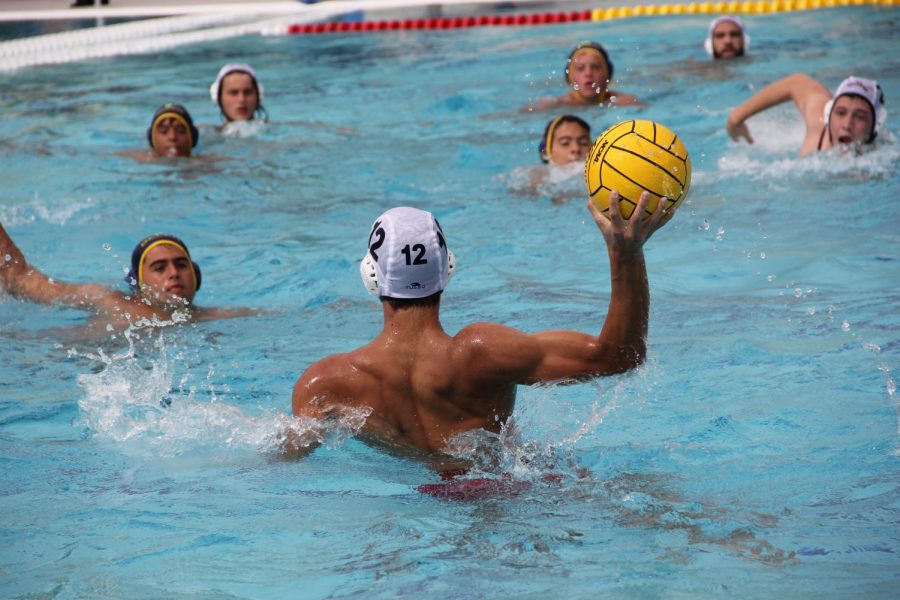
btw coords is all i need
(426, 302)
(545, 146)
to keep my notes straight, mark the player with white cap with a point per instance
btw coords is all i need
(852, 118)
(422, 386)
(727, 38)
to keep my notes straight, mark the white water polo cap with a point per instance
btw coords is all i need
(407, 255)
(868, 90)
(708, 42)
(227, 70)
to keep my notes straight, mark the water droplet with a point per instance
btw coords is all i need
(109, 327)
(811, 310)
(705, 225)
(845, 326)
(8, 258)
(107, 247)
(798, 293)
(720, 234)
(770, 278)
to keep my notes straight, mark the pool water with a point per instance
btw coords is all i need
(754, 455)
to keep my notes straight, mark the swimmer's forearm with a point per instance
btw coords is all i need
(13, 266)
(629, 308)
(793, 87)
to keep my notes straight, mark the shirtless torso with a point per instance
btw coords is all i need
(424, 386)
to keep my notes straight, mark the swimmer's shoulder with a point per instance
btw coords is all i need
(491, 354)
(623, 99)
(490, 343)
(546, 103)
(339, 376)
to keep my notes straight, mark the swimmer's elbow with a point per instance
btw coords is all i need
(628, 358)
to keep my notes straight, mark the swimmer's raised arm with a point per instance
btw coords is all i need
(809, 95)
(569, 355)
(26, 282)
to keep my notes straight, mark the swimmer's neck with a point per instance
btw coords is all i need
(410, 322)
(601, 98)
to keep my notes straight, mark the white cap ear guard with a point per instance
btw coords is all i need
(227, 70)
(708, 42)
(369, 273)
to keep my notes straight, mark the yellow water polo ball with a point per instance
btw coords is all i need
(633, 156)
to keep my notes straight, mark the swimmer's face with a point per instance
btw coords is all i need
(167, 275)
(239, 97)
(571, 143)
(171, 138)
(727, 40)
(851, 120)
(588, 73)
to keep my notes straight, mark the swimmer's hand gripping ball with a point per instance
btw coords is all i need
(633, 156)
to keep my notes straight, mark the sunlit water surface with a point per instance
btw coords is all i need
(755, 454)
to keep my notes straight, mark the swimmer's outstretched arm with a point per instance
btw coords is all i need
(808, 94)
(27, 283)
(503, 354)
(217, 312)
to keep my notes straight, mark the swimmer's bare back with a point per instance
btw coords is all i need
(423, 387)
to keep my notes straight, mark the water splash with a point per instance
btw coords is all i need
(58, 211)
(149, 399)
(559, 182)
(243, 129)
(876, 162)
(538, 443)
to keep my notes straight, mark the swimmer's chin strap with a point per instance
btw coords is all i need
(369, 273)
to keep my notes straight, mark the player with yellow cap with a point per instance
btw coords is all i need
(163, 280)
(588, 74)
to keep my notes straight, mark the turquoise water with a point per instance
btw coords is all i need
(754, 455)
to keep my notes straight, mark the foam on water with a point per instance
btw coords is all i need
(149, 400)
(56, 211)
(243, 129)
(558, 182)
(774, 155)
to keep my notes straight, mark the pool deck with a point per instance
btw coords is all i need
(22, 10)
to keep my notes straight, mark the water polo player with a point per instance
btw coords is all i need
(588, 73)
(421, 386)
(238, 93)
(727, 38)
(566, 139)
(852, 118)
(163, 280)
(172, 132)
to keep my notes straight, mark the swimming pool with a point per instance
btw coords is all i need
(754, 455)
